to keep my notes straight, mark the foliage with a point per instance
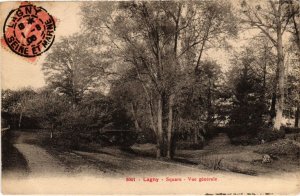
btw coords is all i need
(144, 65)
(268, 135)
(55, 111)
(272, 19)
(15, 104)
(200, 93)
(248, 91)
(74, 68)
(281, 147)
(48, 108)
(162, 44)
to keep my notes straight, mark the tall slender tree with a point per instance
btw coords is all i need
(270, 19)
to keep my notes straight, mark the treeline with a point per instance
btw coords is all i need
(147, 65)
(47, 109)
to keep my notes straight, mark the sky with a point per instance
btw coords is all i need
(16, 71)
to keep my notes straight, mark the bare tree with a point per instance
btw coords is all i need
(270, 18)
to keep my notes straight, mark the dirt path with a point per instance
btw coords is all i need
(107, 162)
(39, 160)
(49, 169)
(124, 164)
(47, 162)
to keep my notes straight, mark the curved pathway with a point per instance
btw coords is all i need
(39, 160)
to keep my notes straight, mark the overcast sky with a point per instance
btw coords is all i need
(17, 72)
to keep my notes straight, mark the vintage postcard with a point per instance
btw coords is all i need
(150, 97)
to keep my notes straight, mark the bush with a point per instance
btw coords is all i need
(291, 129)
(244, 140)
(211, 131)
(241, 135)
(281, 147)
(65, 140)
(293, 136)
(147, 136)
(267, 134)
(246, 136)
(185, 145)
(72, 140)
(240, 130)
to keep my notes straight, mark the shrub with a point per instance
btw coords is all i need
(146, 136)
(293, 136)
(280, 147)
(240, 130)
(244, 140)
(241, 135)
(71, 140)
(251, 136)
(267, 134)
(66, 140)
(211, 131)
(291, 129)
(185, 145)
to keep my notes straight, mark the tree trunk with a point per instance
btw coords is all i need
(152, 121)
(280, 102)
(20, 119)
(155, 129)
(195, 136)
(159, 128)
(209, 104)
(170, 127)
(136, 123)
(295, 24)
(297, 116)
(273, 109)
(280, 64)
(51, 131)
(165, 122)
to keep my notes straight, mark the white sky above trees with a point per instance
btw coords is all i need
(17, 72)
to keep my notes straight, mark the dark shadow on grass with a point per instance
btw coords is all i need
(12, 159)
(150, 155)
(185, 161)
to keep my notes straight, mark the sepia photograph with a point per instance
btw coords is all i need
(150, 97)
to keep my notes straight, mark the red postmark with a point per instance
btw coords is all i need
(29, 30)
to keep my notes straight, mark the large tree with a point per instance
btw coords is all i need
(292, 13)
(271, 19)
(247, 79)
(47, 107)
(155, 39)
(73, 67)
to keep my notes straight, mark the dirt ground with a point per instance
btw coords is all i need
(239, 159)
(40, 162)
(108, 161)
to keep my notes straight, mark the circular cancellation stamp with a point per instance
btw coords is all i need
(29, 30)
